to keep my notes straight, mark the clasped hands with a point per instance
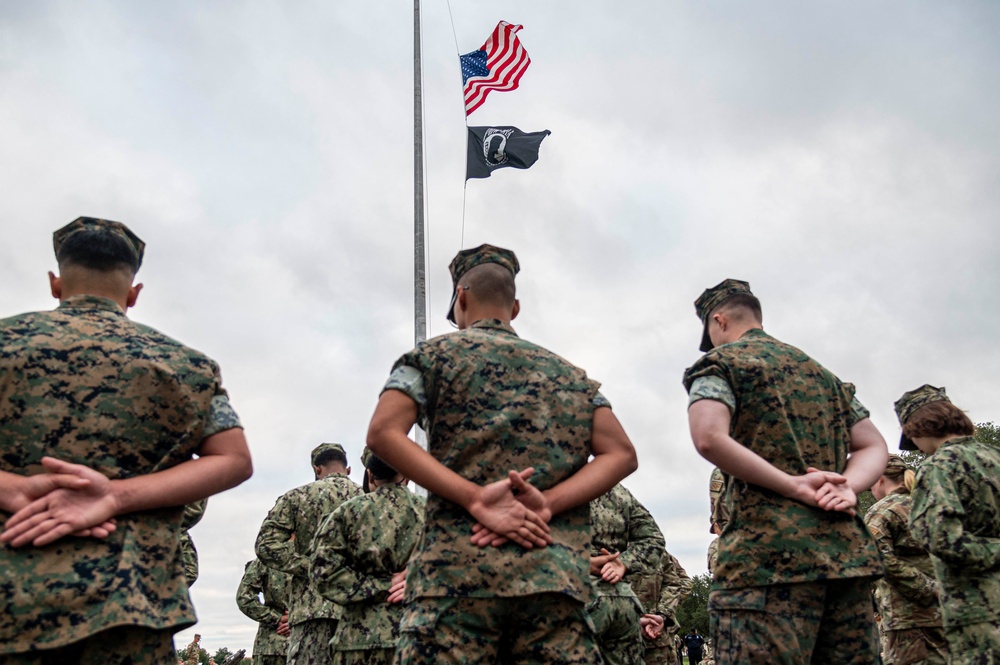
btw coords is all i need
(68, 499)
(826, 490)
(501, 515)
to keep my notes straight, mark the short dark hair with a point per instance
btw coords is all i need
(492, 284)
(380, 469)
(938, 419)
(100, 250)
(745, 301)
(331, 456)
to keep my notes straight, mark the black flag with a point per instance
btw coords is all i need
(492, 148)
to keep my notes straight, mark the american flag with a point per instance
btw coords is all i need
(498, 65)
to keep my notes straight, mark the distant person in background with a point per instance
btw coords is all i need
(956, 517)
(263, 596)
(695, 644)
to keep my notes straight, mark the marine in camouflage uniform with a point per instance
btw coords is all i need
(491, 403)
(661, 593)
(358, 549)
(299, 513)
(720, 514)
(907, 597)
(792, 580)
(956, 517)
(86, 385)
(621, 524)
(193, 512)
(269, 647)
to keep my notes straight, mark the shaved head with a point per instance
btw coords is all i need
(490, 284)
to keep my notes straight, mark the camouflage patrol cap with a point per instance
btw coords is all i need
(913, 400)
(712, 298)
(467, 259)
(325, 448)
(895, 465)
(366, 455)
(92, 224)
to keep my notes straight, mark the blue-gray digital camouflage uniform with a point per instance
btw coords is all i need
(86, 385)
(299, 512)
(358, 549)
(783, 565)
(907, 597)
(621, 524)
(490, 402)
(956, 517)
(263, 596)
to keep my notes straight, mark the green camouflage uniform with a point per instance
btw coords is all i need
(299, 512)
(85, 384)
(907, 597)
(783, 567)
(269, 648)
(956, 517)
(491, 402)
(661, 593)
(720, 513)
(621, 524)
(193, 512)
(358, 549)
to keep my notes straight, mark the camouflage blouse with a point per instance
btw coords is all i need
(85, 384)
(260, 580)
(796, 414)
(490, 402)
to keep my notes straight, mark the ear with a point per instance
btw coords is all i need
(516, 309)
(462, 296)
(721, 319)
(348, 471)
(133, 295)
(55, 285)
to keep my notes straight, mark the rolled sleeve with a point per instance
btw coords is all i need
(221, 416)
(714, 388)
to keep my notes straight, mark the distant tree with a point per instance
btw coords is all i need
(988, 433)
(221, 655)
(693, 612)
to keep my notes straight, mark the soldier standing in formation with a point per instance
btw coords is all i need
(795, 563)
(193, 512)
(360, 548)
(312, 619)
(625, 541)
(495, 408)
(720, 515)
(87, 435)
(270, 647)
(907, 597)
(956, 517)
(661, 594)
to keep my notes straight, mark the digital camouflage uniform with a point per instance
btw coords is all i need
(299, 512)
(792, 582)
(85, 384)
(621, 524)
(193, 512)
(956, 517)
(358, 549)
(720, 513)
(907, 597)
(269, 648)
(661, 593)
(491, 402)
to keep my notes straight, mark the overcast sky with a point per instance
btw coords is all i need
(843, 157)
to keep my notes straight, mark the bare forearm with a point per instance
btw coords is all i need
(593, 480)
(10, 492)
(868, 458)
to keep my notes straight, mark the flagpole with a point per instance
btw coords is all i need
(419, 274)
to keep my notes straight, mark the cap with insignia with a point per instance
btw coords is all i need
(910, 402)
(467, 259)
(712, 298)
(324, 448)
(92, 224)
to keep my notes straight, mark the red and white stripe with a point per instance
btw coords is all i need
(506, 59)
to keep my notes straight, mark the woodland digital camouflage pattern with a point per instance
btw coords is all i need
(86, 385)
(913, 400)
(795, 414)
(661, 593)
(300, 512)
(956, 517)
(259, 580)
(712, 298)
(138, 646)
(717, 498)
(356, 552)
(193, 512)
(486, 399)
(907, 597)
(93, 224)
(621, 524)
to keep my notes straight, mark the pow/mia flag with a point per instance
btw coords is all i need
(492, 148)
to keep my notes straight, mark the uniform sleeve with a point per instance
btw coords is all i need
(715, 388)
(331, 572)
(600, 400)
(676, 586)
(908, 580)
(645, 540)
(937, 522)
(858, 412)
(189, 558)
(248, 597)
(221, 416)
(275, 547)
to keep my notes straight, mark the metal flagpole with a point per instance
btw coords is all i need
(419, 284)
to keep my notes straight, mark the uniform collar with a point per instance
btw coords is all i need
(958, 441)
(494, 324)
(84, 301)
